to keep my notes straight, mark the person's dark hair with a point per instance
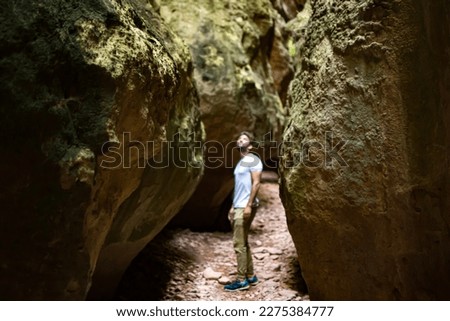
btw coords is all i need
(249, 135)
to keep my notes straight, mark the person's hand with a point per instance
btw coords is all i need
(247, 211)
(231, 215)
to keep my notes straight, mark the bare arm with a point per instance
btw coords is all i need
(256, 182)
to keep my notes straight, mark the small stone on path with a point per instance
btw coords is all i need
(210, 274)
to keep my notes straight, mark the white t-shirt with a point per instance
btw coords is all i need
(243, 179)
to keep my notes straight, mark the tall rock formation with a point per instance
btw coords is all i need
(365, 162)
(241, 69)
(91, 93)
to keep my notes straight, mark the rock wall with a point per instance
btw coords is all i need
(365, 161)
(241, 69)
(84, 86)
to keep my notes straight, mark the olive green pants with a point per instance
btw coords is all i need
(241, 227)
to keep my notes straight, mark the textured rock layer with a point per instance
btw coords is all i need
(241, 69)
(84, 86)
(365, 168)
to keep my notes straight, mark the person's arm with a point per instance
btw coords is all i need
(256, 182)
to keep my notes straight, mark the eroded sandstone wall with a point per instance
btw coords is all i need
(365, 168)
(83, 86)
(242, 70)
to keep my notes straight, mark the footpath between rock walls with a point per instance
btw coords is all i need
(184, 265)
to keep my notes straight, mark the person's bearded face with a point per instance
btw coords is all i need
(243, 143)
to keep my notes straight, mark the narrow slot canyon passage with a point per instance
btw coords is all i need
(174, 266)
(119, 122)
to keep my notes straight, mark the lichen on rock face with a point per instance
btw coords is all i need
(82, 84)
(351, 173)
(77, 165)
(227, 41)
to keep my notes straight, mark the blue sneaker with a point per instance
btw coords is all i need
(237, 286)
(253, 280)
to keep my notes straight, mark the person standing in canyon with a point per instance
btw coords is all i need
(247, 179)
